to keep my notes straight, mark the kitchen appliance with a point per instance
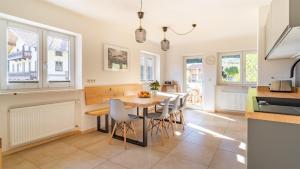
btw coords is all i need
(281, 86)
(273, 105)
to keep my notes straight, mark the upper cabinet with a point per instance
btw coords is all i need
(283, 29)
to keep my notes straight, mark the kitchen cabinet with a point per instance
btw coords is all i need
(273, 145)
(283, 29)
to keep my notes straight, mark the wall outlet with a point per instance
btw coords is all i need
(91, 80)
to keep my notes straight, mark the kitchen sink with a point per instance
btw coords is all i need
(274, 105)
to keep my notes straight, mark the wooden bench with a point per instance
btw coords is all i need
(98, 113)
(97, 95)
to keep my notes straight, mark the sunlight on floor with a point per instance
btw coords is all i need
(215, 134)
(178, 133)
(242, 146)
(240, 159)
(215, 115)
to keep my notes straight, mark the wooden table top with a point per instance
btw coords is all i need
(265, 92)
(142, 102)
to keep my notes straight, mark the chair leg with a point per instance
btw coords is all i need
(160, 128)
(149, 127)
(133, 129)
(171, 123)
(152, 125)
(174, 120)
(182, 120)
(124, 135)
(112, 134)
(165, 128)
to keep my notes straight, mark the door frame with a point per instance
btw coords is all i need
(199, 56)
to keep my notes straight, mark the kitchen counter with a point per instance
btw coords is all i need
(265, 92)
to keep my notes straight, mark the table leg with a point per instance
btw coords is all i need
(98, 123)
(105, 130)
(144, 143)
(145, 127)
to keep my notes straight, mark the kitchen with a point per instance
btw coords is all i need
(273, 112)
(245, 78)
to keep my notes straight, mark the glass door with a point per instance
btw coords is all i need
(193, 80)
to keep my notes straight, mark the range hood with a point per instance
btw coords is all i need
(287, 46)
(283, 29)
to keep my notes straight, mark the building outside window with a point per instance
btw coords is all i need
(58, 66)
(36, 57)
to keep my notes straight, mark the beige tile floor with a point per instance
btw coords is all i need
(209, 141)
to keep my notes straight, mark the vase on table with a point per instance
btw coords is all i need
(154, 92)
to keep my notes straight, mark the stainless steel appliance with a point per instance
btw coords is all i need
(281, 86)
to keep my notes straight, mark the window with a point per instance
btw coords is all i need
(147, 62)
(231, 70)
(22, 49)
(35, 57)
(59, 53)
(238, 68)
(58, 57)
(251, 66)
(58, 66)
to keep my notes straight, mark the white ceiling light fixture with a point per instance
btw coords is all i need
(140, 33)
(165, 44)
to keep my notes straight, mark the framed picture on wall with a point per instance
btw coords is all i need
(116, 58)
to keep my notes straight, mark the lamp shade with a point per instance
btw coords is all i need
(165, 45)
(140, 35)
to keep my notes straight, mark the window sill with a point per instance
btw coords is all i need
(36, 91)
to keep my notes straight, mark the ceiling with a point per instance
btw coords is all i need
(215, 19)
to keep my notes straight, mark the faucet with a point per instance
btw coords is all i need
(293, 68)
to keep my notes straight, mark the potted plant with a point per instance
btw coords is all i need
(154, 87)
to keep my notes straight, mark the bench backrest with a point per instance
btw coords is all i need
(102, 94)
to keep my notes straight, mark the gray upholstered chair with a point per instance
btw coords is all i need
(123, 118)
(158, 119)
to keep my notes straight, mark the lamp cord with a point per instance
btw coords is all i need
(182, 33)
(141, 5)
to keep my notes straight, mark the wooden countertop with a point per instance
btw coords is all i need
(265, 92)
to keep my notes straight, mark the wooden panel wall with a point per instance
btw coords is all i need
(102, 94)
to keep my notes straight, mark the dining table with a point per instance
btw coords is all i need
(145, 104)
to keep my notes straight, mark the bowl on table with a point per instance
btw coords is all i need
(144, 94)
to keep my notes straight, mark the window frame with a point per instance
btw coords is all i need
(55, 84)
(153, 57)
(243, 81)
(42, 82)
(21, 84)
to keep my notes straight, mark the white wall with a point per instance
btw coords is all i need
(174, 69)
(269, 69)
(94, 34)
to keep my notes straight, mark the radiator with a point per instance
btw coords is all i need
(231, 100)
(29, 124)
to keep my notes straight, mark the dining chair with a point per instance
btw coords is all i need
(173, 111)
(158, 119)
(123, 119)
(181, 108)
